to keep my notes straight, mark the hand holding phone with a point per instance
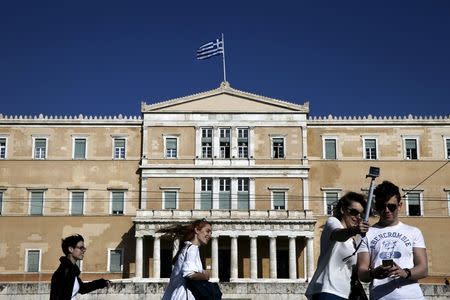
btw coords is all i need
(387, 263)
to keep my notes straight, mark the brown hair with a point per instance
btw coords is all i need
(184, 232)
(345, 203)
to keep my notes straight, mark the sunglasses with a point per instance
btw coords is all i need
(82, 248)
(354, 212)
(391, 206)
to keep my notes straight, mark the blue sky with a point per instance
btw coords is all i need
(105, 57)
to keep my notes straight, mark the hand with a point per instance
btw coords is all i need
(380, 272)
(396, 272)
(363, 226)
(206, 274)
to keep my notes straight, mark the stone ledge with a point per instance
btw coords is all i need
(151, 291)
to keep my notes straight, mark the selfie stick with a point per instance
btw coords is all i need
(374, 172)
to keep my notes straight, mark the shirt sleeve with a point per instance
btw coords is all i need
(418, 241)
(189, 266)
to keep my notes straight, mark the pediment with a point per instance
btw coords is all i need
(225, 100)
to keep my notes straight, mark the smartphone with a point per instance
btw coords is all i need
(388, 263)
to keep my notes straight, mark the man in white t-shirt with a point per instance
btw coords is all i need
(393, 255)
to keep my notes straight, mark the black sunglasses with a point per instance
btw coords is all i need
(354, 212)
(391, 206)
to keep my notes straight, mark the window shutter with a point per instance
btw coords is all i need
(279, 199)
(37, 201)
(370, 143)
(170, 199)
(410, 144)
(171, 143)
(119, 143)
(33, 261)
(77, 203)
(115, 261)
(224, 200)
(80, 149)
(330, 149)
(117, 203)
(243, 200)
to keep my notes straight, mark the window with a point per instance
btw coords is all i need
(115, 260)
(33, 261)
(76, 203)
(329, 148)
(117, 202)
(119, 148)
(413, 204)
(448, 202)
(243, 193)
(278, 147)
(2, 148)
(206, 194)
(36, 202)
(331, 199)
(370, 148)
(279, 199)
(411, 149)
(224, 193)
(79, 149)
(206, 142)
(447, 148)
(243, 142)
(170, 199)
(40, 148)
(224, 142)
(171, 147)
(1, 202)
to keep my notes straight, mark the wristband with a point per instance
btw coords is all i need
(408, 273)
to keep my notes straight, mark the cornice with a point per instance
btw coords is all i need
(80, 119)
(378, 120)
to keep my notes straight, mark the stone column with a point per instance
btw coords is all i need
(215, 258)
(233, 142)
(305, 193)
(234, 258)
(273, 257)
(292, 258)
(253, 257)
(234, 188)
(305, 145)
(198, 142)
(139, 256)
(216, 142)
(197, 189)
(156, 257)
(251, 191)
(215, 195)
(143, 193)
(309, 258)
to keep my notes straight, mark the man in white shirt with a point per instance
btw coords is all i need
(393, 255)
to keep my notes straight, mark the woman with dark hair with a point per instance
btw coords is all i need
(187, 263)
(337, 248)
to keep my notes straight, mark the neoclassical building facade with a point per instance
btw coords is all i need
(263, 171)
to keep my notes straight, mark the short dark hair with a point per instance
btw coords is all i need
(385, 191)
(346, 201)
(70, 241)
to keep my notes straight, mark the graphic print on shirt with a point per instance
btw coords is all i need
(390, 244)
(388, 250)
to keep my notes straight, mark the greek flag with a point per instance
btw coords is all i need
(210, 49)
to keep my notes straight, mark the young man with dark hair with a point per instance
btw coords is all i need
(66, 282)
(393, 255)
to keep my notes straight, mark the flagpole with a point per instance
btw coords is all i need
(223, 60)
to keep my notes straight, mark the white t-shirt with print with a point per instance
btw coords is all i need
(396, 243)
(332, 274)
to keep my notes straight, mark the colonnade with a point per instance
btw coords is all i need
(234, 256)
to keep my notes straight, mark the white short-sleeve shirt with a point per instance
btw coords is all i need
(188, 262)
(333, 274)
(396, 243)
